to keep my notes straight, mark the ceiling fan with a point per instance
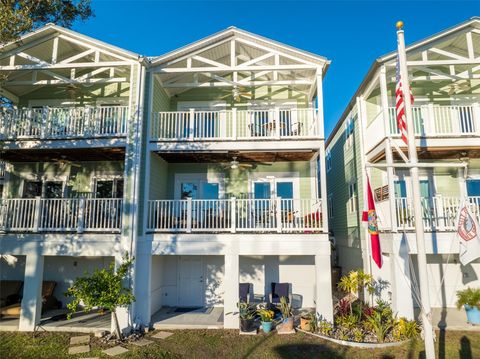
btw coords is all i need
(74, 91)
(64, 162)
(238, 92)
(456, 87)
(234, 164)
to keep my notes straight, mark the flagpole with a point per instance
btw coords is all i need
(417, 207)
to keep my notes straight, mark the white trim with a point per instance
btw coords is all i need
(201, 105)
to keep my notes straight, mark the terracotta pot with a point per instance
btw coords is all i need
(305, 324)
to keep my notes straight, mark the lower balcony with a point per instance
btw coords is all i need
(43, 215)
(235, 215)
(439, 213)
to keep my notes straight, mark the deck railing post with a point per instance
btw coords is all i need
(278, 213)
(277, 122)
(233, 215)
(44, 122)
(189, 214)
(430, 127)
(476, 117)
(191, 128)
(439, 212)
(37, 216)
(234, 123)
(81, 215)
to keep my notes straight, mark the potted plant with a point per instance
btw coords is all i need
(307, 321)
(266, 318)
(287, 319)
(247, 314)
(470, 299)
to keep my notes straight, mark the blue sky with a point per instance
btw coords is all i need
(350, 33)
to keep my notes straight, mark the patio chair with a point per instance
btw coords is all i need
(48, 301)
(278, 291)
(10, 292)
(244, 292)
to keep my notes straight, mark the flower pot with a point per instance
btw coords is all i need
(247, 325)
(267, 326)
(305, 324)
(287, 324)
(473, 314)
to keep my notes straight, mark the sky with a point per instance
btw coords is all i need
(352, 34)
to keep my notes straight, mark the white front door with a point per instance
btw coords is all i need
(190, 281)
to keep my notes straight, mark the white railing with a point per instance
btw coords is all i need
(439, 213)
(436, 120)
(63, 122)
(235, 215)
(61, 214)
(275, 123)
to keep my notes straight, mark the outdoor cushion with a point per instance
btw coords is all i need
(9, 289)
(280, 290)
(244, 290)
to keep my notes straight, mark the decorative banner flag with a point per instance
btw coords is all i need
(370, 216)
(468, 233)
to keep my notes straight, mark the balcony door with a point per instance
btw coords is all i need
(473, 187)
(45, 189)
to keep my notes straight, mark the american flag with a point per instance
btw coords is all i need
(400, 105)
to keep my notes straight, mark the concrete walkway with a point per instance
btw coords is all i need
(203, 318)
(452, 319)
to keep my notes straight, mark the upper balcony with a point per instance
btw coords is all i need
(53, 123)
(235, 125)
(236, 91)
(63, 90)
(435, 126)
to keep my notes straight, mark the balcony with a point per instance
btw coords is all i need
(51, 123)
(271, 124)
(78, 215)
(439, 213)
(430, 122)
(235, 215)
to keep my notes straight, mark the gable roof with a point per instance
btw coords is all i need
(472, 22)
(232, 32)
(50, 29)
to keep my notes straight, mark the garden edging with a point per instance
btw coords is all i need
(356, 344)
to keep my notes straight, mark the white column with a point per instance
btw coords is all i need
(123, 314)
(323, 288)
(401, 283)
(320, 119)
(230, 317)
(142, 277)
(31, 306)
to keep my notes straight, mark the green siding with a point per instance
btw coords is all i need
(79, 178)
(162, 176)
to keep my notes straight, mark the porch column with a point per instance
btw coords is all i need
(230, 310)
(401, 284)
(123, 314)
(323, 288)
(142, 282)
(31, 306)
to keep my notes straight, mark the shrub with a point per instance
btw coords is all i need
(380, 325)
(405, 329)
(324, 327)
(343, 307)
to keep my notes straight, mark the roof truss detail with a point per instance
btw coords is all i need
(236, 62)
(57, 58)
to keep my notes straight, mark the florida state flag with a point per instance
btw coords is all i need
(370, 216)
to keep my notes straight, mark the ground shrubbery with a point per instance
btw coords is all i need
(357, 321)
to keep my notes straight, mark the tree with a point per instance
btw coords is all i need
(20, 16)
(105, 289)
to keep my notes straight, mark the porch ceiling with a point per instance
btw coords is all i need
(430, 153)
(46, 155)
(242, 157)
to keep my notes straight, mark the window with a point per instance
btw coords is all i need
(352, 197)
(109, 188)
(330, 206)
(349, 127)
(473, 187)
(32, 189)
(329, 161)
